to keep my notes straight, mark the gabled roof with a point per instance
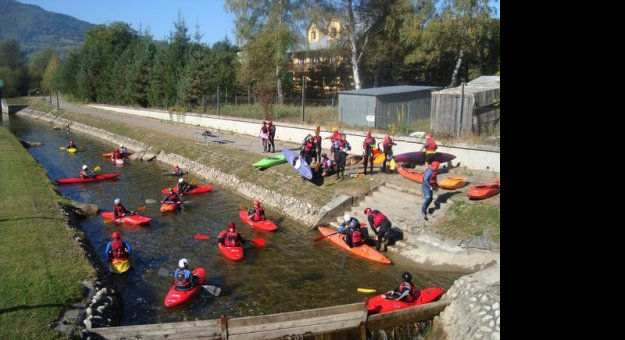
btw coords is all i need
(381, 91)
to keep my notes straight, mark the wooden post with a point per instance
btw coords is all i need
(363, 324)
(57, 100)
(224, 327)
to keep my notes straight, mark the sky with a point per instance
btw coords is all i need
(156, 16)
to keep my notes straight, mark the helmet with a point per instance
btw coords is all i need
(231, 226)
(436, 164)
(324, 155)
(368, 133)
(121, 146)
(347, 217)
(176, 166)
(335, 129)
(367, 211)
(428, 135)
(180, 180)
(257, 203)
(183, 263)
(269, 122)
(84, 167)
(406, 277)
(117, 201)
(115, 235)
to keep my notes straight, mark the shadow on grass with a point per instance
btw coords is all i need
(442, 199)
(26, 307)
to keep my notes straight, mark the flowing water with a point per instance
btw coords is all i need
(290, 273)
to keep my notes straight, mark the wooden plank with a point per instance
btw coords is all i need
(407, 315)
(303, 314)
(234, 330)
(160, 333)
(311, 329)
(168, 325)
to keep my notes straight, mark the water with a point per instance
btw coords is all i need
(290, 273)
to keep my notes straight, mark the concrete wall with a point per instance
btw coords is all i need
(471, 157)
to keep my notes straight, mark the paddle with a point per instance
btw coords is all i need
(140, 209)
(150, 201)
(366, 290)
(211, 289)
(97, 168)
(109, 220)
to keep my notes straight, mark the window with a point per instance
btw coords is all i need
(313, 35)
(333, 32)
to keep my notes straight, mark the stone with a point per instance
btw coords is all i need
(496, 305)
(483, 329)
(483, 298)
(495, 336)
(477, 242)
(487, 318)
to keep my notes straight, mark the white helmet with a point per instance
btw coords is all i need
(347, 217)
(180, 180)
(121, 146)
(183, 263)
(84, 167)
(117, 201)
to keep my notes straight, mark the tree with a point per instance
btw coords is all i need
(13, 68)
(37, 65)
(49, 75)
(195, 80)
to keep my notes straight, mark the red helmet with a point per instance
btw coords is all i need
(269, 122)
(436, 164)
(428, 135)
(367, 211)
(115, 235)
(231, 226)
(257, 203)
(368, 133)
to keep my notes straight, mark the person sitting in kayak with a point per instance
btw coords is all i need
(86, 172)
(230, 238)
(257, 213)
(327, 165)
(119, 210)
(178, 171)
(185, 279)
(116, 155)
(184, 187)
(406, 291)
(117, 248)
(353, 233)
(123, 151)
(378, 221)
(71, 145)
(171, 197)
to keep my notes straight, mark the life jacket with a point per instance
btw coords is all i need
(83, 174)
(430, 146)
(116, 154)
(232, 239)
(387, 142)
(343, 145)
(317, 140)
(335, 137)
(259, 215)
(414, 293)
(368, 144)
(119, 210)
(177, 172)
(308, 146)
(378, 217)
(182, 187)
(357, 238)
(433, 179)
(181, 279)
(172, 198)
(117, 248)
(327, 163)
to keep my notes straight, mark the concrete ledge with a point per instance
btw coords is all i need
(328, 212)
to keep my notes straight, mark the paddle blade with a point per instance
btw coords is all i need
(212, 289)
(143, 208)
(163, 272)
(97, 168)
(201, 237)
(150, 201)
(365, 290)
(61, 148)
(109, 220)
(259, 241)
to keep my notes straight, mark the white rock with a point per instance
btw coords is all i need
(483, 298)
(487, 318)
(495, 336)
(496, 305)
(485, 329)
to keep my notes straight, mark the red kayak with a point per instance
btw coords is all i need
(480, 192)
(232, 253)
(177, 297)
(168, 207)
(200, 189)
(266, 225)
(377, 304)
(130, 219)
(98, 177)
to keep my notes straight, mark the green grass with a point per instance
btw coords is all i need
(472, 218)
(41, 267)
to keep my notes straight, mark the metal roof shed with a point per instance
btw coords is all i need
(382, 106)
(471, 109)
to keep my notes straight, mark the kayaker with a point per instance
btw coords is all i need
(308, 149)
(116, 155)
(86, 172)
(381, 225)
(367, 146)
(430, 150)
(119, 210)
(171, 197)
(317, 146)
(406, 291)
(430, 184)
(185, 279)
(71, 145)
(353, 233)
(272, 136)
(123, 151)
(257, 213)
(184, 187)
(264, 137)
(341, 149)
(387, 146)
(334, 138)
(117, 248)
(178, 171)
(230, 238)
(327, 165)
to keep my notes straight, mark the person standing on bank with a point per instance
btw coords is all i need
(430, 184)
(367, 154)
(430, 150)
(387, 146)
(264, 137)
(380, 224)
(272, 136)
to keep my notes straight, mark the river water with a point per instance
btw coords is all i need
(290, 273)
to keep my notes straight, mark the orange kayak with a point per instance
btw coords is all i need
(168, 207)
(110, 154)
(450, 183)
(363, 251)
(480, 192)
(411, 174)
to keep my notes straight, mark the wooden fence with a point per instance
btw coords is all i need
(318, 323)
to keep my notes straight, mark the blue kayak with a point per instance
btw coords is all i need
(299, 164)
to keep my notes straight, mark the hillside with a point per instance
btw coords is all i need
(34, 27)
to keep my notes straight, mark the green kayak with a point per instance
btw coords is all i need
(270, 161)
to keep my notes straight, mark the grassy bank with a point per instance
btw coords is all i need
(472, 218)
(41, 266)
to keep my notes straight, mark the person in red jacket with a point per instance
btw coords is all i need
(381, 225)
(117, 248)
(257, 213)
(120, 210)
(406, 291)
(387, 146)
(430, 150)
(230, 238)
(367, 153)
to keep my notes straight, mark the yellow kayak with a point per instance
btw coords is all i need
(119, 266)
(71, 150)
